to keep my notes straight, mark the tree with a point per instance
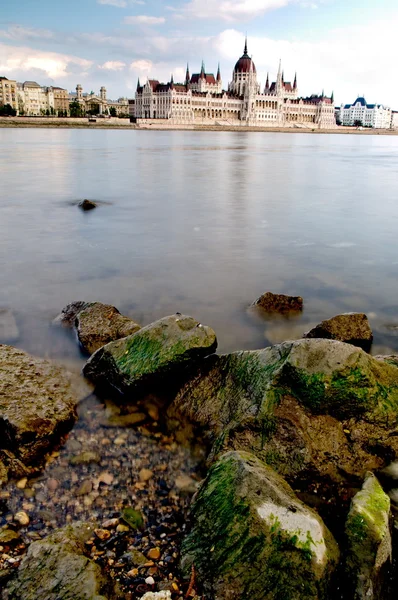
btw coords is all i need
(75, 109)
(358, 123)
(112, 111)
(7, 111)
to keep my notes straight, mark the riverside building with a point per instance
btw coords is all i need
(8, 93)
(360, 113)
(202, 100)
(98, 104)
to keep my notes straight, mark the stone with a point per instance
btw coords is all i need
(352, 328)
(56, 569)
(145, 475)
(37, 405)
(186, 485)
(3, 473)
(165, 350)
(312, 408)
(96, 324)
(22, 518)
(136, 558)
(163, 595)
(9, 537)
(150, 581)
(391, 359)
(123, 420)
(85, 488)
(369, 547)
(154, 554)
(132, 517)
(87, 205)
(250, 535)
(279, 303)
(21, 484)
(85, 458)
(9, 332)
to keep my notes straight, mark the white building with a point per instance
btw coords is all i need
(35, 100)
(201, 100)
(366, 115)
(394, 119)
(98, 104)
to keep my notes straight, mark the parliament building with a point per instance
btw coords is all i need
(201, 100)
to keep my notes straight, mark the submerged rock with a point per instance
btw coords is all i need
(352, 328)
(369, 551)
(167, 348)
(37, 404)
(311, 408)
(279, 303)
(8, 327)
(56, 569)
(87, 204)
(251, 537)
(96, 324)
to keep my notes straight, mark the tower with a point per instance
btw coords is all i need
(103, 93)
(79, 92)
(266, 89)
(138, 84)
(187, 78)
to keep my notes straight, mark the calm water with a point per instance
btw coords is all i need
(200, 223)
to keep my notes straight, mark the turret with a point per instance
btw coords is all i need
(187, 77)
(138, 84)
(266, 89)
(79, 92)
(202, 71)
(172, 82)
(295, 82)
(103, 93)
(218, 73)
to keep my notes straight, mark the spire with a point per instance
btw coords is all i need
(283, 76)
(187, 78)
(245, 48)
(332, 98)
(295, 82)
(172, 81)
(218, 73)
(266, 89)
(138, 84)
(323, 94)
(280, 67)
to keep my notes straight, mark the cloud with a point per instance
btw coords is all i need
(118, 3)
(112, 65)
(143, 66)
(22, 60)
(18, 33)
(232, 10)
(144, 20)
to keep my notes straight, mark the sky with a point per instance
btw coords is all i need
(345, 46)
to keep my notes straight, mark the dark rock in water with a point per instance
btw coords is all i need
(8, 327)
(56, 569)
(87, 205)
(168, 348)
(37, 404)
(369, 552)
(312, 409)
(279, 303)
(251, 537)
(352, 328)
(96, 324)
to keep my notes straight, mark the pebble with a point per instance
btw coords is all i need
(110, 523)
(85, 488)
(122, 528)
(145, 475)
(150, 581)
(85, 458)
(154, 553)
(106, 478)
(22, 518)
(53, 484)
(21, 484)
(102, 534)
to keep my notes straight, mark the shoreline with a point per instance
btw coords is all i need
(32, 123)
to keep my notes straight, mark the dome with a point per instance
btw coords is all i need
(244, 65)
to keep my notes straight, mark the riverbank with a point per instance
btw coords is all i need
(115, 123)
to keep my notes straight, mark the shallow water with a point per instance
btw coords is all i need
(200, 223)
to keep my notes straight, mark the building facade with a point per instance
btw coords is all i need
(201, 100)
(8, 93)
(35, 100)
(359, 113)
(61, 101)
(98, 104)
(394, 119)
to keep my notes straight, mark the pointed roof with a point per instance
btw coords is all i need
(295, 82)
(138, 83)
(218, 73)
(245, 63)
(187, 75)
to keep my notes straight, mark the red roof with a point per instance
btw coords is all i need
(244, 65)
(209, 78)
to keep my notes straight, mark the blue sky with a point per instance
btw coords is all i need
(348, 46)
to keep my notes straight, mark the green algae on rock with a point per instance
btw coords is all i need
(369, 550)
(252, 538)
(167, 348)
(313, 406)
(56, 569)
(96, 324)
(37, 405)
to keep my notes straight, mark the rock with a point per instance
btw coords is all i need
(132, 517)
(9, 332)
(167, 348)
(96, 324)
(21, 484)
(164, 595)
(145, 475)
(3, 473)
(186, 485)
(154, 554)
(123, 420)
(9, 537)
(369, 552)
(37, 405)
(391, 359)
(150, 581)
(22, 518)
(352, 328)
(136, 558)
(85, 488)
(85, 458)
(56, 569)
(313, 409)
(279, 303)
(87, 204)
(251, 535)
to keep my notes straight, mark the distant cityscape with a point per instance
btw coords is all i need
(201, 99)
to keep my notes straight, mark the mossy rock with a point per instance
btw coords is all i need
(165, 350)
(309, 408)
(352, 328)
(56, 569)
(252, 539)
(369, 546)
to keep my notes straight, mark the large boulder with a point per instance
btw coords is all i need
(252, 538)
(37, 405)
(279, 303)
(56, 569)
(311, 408)
(167, 348)
(96, 324)
(369, 552)
(352, 328)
